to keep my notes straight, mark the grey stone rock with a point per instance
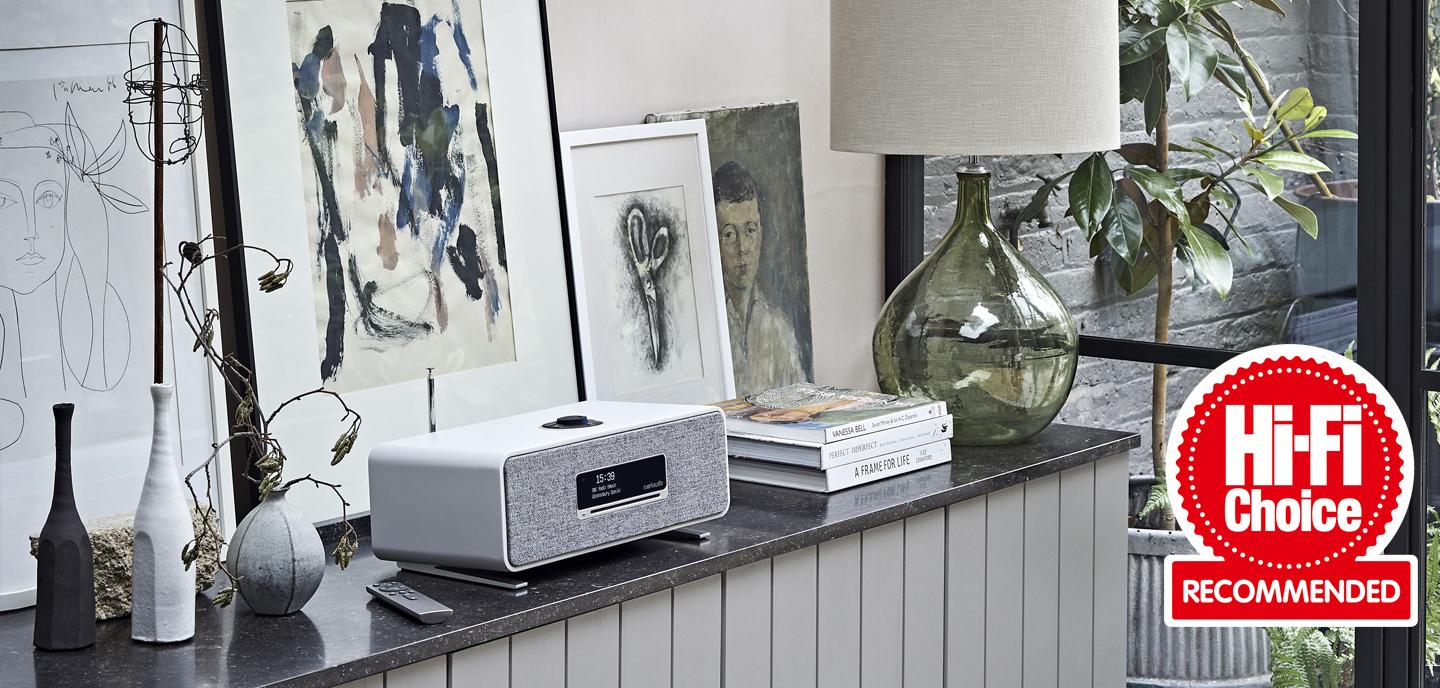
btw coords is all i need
(112, 538)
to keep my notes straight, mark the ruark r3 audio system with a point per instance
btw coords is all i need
(518, 492)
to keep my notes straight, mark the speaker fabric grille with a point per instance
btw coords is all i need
(540, 512)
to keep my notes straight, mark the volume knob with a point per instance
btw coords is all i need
(570, 422)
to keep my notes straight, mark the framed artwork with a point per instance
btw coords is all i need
(77, 273)
(409, 172)
(760, 213)
(649, 299)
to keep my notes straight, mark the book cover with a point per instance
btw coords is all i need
(818, 413)
(825, 456)
(841, 477)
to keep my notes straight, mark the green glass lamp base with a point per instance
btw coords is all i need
(977, 327)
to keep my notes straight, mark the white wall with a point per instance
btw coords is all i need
(617, 60)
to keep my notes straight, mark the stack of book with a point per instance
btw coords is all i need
(824, 439)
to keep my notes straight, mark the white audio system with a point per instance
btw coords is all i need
(518, 492)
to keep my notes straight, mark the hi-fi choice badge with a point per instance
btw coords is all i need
(1290, 470)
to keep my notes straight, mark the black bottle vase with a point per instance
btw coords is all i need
(65, 580)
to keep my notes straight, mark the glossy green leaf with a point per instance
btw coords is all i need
(1328, 134)
(1139, 41)
(1270, 5)
(1161, 188)
(1139, 153)
(1134, 278)
(1135, 79)
(1185, 174)
(1316, 116)
(1231, 73)
(1292, 161)
(1256, 133)
(1091, 190)
(1124, 228)
(1212, 146)
(1269, 183)
(1304, 216)
(1209, 258)
(1191, 56)
(1157, 99)
(1293, 105)
(1037, 203)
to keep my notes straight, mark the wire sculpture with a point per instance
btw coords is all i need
(166, 77)
(167, 63)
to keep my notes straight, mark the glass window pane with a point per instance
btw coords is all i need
(1431, 184)
(1430, 449)
(1287, 286)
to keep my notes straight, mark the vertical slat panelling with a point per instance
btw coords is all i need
(1041, 617)
(376, 681)
(1023, 587)
(592, 649)
(1077, 576)
(695, 642)
(838, 634)
(792, 599)
(1004, 586)
(431, 673)
(924, 651)
(965, 594)
(537, 657)
(882, 606)
(1111, 485)
(645, 642)
(482, 666)
(747, 626)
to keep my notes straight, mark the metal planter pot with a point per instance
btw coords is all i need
(1163, 657)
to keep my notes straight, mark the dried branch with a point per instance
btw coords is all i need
(266, 462)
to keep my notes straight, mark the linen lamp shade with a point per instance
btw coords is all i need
(974, 77)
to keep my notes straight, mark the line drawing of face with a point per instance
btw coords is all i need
(741, 233)
(55, 231)
(33, 211)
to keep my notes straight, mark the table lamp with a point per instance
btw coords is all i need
(974, 324)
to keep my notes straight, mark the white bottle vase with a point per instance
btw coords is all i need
(164, 590)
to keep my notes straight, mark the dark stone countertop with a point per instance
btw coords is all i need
(341, 635)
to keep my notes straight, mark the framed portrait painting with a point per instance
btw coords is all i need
(760, 212)
(650, 305)
(408, 169)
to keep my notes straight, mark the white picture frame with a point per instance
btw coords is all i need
(79, 51)
(651, 318)
(274, 215)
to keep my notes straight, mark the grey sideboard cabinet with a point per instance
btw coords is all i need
(1003, 569)
(1023, 587)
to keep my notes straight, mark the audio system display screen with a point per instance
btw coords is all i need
(621, 485)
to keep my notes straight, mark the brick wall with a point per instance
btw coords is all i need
(1315, 45)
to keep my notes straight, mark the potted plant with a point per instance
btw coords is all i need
(1167, 201)
(282, 561)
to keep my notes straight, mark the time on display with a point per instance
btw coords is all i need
(604, 477)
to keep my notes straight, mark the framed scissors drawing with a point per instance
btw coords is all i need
(649, 297)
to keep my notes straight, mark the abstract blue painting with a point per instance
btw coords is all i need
(402, 189)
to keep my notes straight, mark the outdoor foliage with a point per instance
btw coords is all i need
(1312, 657)
(1153, 202)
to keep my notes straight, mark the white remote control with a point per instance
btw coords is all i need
(413, 604)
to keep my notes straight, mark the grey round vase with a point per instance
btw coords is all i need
(278, 557)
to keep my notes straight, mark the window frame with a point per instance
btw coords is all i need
(1390, 277)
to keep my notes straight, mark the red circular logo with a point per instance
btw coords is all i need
(1287, 465)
